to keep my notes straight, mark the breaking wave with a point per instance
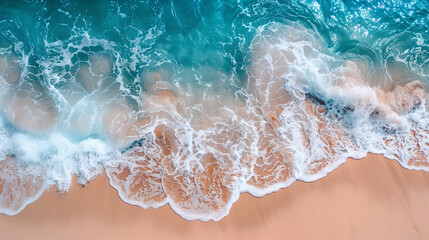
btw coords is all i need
(193, 103)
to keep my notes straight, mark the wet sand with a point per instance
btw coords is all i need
(371, 198)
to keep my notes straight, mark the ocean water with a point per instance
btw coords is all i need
(190, 103)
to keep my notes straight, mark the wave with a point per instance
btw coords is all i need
(195, 136)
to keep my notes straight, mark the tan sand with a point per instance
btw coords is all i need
(372, 198)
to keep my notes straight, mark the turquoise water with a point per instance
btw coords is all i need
(191, 103)
(214, 33)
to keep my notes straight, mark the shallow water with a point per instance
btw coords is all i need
(192, 103)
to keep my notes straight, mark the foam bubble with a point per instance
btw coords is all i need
(20, 185)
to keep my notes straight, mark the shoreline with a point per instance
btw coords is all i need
(369, 198)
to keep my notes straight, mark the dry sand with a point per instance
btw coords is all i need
(371, 198)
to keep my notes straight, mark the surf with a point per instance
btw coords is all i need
(174, 117)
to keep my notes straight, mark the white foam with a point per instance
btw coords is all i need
(20, 186)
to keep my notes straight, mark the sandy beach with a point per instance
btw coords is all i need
(371, 198)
